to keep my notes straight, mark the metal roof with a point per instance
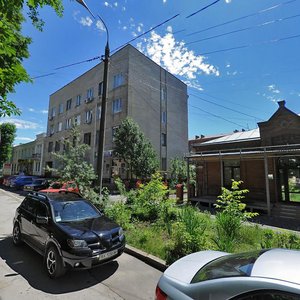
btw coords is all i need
(240, 136)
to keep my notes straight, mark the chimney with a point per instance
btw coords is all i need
(281, 103)
(202, 136)
(196, 137)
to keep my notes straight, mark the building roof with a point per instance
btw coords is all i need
(235, 137)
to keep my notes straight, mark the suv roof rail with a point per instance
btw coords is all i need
(37, 194)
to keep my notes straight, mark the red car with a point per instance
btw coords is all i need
(55, 187)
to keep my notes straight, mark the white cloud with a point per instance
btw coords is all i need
(100, 25)
(25, 139)
(175, 57)
(227, 1)
(116, 4)
(272, 88)
(164, 1)
(123, 8)
(106, 4)
(124, 27)
(193, 84)
(169, 29)
(43, 111)
(87, 21)
(21, 124)
(139, 28)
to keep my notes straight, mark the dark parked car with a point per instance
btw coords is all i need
(269, 274)
(67, 230)
(20, 181)
(36, 185)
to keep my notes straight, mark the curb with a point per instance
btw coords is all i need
(149, 259)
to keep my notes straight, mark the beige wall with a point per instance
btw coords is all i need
(141, 100)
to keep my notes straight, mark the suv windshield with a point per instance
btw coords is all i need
(228, 266)
(72, 211)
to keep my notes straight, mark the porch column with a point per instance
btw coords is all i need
(221, 170)
(267, 183)
(188, 179)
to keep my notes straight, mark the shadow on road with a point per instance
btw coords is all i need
(25, 262)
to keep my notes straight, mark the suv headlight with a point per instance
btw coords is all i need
(77, 243)
(121, 233)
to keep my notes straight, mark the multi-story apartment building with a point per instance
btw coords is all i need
(137, 88)
(28, 158)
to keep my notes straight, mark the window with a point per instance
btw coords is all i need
(118, 80)
(68, 123)
(98, 113)
(78, 100)
(89, 94)
(51, 130)
(117, 106)
(59, 127)
(231, 171)
(100, 88)
(60, 108)
(164, 139)
(87, 138)
(77, 120)
(164, 117)
(57, 146)
(52, 112)
(163, 93)
(228, 266)
(267, 295)
(88, 116)
(50, 146)
(69, 104)
(114, 129)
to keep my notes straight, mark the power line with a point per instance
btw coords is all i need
(244, 17)
(77, 63)
(217, 116)
(254, 44)
(244, 29)
(225, 107)
(151, 29)
(203, 8)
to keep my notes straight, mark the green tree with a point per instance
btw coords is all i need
(7, 136)
(178, 171)
(72, 165)
(14, 46)
(135, 149)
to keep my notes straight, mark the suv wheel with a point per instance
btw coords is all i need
(17, 239)
(54, 264)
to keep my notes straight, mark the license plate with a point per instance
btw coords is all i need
(108, 254)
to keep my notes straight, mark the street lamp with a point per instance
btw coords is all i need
(100, 153)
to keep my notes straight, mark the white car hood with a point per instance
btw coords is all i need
(185, 268)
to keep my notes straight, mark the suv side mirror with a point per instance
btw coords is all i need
(41, 220)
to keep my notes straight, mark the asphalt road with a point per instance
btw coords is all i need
(22, 275)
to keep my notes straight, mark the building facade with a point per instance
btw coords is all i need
(266, 159)
(28, 158)
(137, 88)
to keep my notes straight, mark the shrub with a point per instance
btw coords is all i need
(187, 234)
(120, 213)
(146, 203)
(230, 216)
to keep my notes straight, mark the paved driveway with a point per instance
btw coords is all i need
(23, 277)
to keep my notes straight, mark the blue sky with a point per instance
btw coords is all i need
(238, 57)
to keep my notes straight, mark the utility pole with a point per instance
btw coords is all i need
(101, 143)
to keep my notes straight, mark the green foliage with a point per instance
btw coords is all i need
(146, 204)
(7, 136)
(178, 170)
(136, 150)
(14, 46)
(187, 234)
(120, 213)
(230, 216)
(73, 166)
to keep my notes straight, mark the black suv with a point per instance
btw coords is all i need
(67, 230)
